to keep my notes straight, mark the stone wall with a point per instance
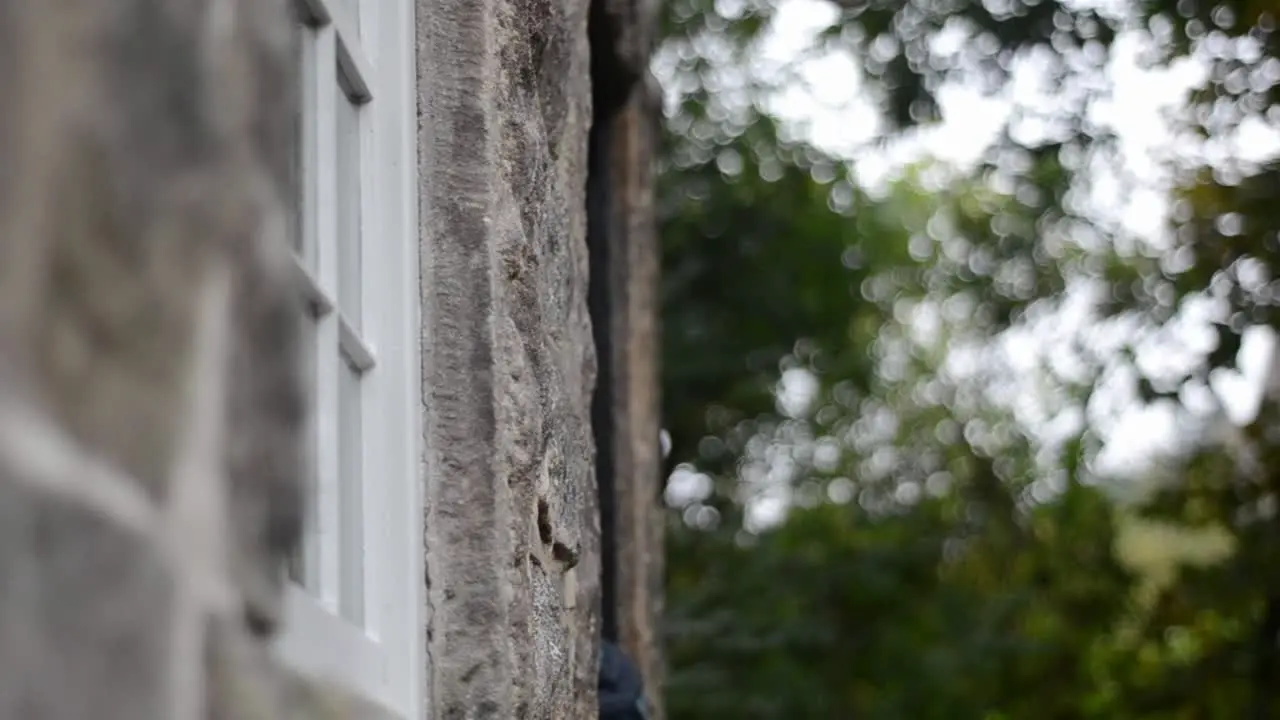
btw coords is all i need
(508, 365)
(150, 404)
(150, 410)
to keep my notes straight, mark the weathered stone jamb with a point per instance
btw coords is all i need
(507, 363)
(466, 623)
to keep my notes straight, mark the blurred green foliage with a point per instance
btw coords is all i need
(940, 556)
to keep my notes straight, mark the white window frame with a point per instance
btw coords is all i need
(380, 651)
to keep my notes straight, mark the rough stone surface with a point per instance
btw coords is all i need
(509, 367)
(151, 138)
(79, 593)
(150, 398)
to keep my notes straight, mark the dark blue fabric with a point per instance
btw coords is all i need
(621, 687)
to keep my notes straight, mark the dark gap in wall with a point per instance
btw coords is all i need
(599, 306)
(611, 85)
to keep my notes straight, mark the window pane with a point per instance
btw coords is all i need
(352, 8)
(295, 230)
(305, 159)
(298, 563)
(302, 567)
(348, 172)
(351, 510)
(295, 152)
